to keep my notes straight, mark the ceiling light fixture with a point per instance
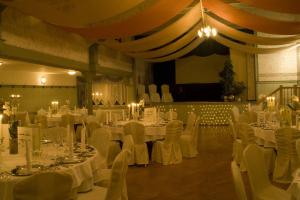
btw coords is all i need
(205, 30)
(71, 72)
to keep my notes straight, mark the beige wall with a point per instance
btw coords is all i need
(196, 69)
(58, 87)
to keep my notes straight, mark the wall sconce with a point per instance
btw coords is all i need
(71, 72)
(43, 80)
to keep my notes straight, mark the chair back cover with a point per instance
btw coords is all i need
(44, 186)
(287, 159)
(137, 130)
(91, 127)
(238, 181)
(235, 114)
(173, 130)
(232, 129)
(164, 89)
(128, 144)
(246, 133)
(42, 121)
(152, 89)
(117, 185)
(190, 121)
(256, 168)
(166, 97)
(100, 140)
(23, 118)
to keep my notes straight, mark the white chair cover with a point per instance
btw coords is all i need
(91, 127)
(238, 182)
(190, 123)
(189, 141)
(246, 132)
(235, 114)
(117, 189)
(166, 96)
(170, 115)
(107, 148)
(237, 147)
(168, 151)
(154, 96)
(44, 186)
(287, 160)
(137, 130)
(258, 176)
(142, 94)
(128, 144)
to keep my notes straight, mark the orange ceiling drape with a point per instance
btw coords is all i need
(162, 37)
(284, 6)
(147, 20)
(250, 38)
(251, 21)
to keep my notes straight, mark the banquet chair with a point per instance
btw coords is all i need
(191, 120)
(237, 146)
(246, 133)
(235, 114)
(258, 176)
(137, 130)
(168, 151)
(91, 127)
(170, 115)
(44, 186)
(107, 149)
(154, 96)
(23, 118)
(117, 188)
(238, 181)
(166, 96)
(41, 120)
(189, 141)
(287, 160)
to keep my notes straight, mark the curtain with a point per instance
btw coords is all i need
(110, 90)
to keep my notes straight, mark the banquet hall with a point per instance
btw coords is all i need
(149, 99)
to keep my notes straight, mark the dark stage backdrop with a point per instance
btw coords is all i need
(165, 73)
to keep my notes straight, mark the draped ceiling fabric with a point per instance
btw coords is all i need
(291, 6)
(162, 37)
(251, 21)
(145, 20)
(169, 39)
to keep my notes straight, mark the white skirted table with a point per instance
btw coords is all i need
(84, 173)
(152, 131)
(265, 136)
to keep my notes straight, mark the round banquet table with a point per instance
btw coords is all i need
(152, 131)
(84, 174)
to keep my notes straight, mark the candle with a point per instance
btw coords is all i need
(28, 155)
(110, 116)
(82, 145)
(171, 114)
(106, 117)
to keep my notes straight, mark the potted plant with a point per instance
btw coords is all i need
(231, 88)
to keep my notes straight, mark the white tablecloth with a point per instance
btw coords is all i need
(152, 132)
(265, 137)
(84, 174)
(55, 119)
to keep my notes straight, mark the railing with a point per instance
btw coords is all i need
(283, 94)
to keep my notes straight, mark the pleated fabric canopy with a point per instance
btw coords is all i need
(167, 29)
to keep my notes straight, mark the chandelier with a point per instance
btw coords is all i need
(205, 30)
